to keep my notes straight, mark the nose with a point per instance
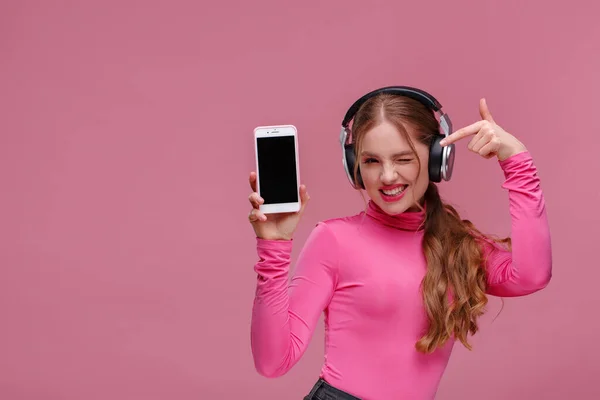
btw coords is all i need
(389, 175)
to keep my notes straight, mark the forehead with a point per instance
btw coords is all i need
(385, 138)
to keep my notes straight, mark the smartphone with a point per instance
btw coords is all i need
(278, 175)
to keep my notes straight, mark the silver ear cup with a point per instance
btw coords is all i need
(348, 174)
(345, 161)
(448, 156)
(448, 153)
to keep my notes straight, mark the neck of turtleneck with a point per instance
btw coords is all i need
(408, 220)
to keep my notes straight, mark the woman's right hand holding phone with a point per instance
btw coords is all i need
(280, 226)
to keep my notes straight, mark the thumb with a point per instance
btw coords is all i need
(484, 111)
(304, 198)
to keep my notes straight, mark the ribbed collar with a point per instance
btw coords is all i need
(408, 220)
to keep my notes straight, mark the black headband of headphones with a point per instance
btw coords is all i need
(417, 94)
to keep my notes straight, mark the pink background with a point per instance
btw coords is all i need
(126, 142)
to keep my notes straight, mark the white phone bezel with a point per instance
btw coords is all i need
(276, 131)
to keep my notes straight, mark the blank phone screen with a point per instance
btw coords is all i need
(277, 169)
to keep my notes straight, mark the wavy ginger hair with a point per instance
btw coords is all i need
(454, 286)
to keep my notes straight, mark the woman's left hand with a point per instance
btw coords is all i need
(490, 139)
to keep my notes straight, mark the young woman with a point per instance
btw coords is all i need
(402, 280)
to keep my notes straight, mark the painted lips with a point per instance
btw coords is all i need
(393, 193)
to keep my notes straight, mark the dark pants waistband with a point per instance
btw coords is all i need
(324, 391)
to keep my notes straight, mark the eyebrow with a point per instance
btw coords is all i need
(400, 154)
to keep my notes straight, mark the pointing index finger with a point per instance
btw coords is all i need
(462, 133)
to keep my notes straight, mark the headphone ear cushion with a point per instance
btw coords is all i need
(436, 154)
(350, 162)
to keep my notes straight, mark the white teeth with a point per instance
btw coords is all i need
(395, 191)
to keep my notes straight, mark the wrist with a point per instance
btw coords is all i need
(512, 152)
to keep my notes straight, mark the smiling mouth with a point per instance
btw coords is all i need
(395, 191)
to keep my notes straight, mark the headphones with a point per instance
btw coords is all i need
(441, 159)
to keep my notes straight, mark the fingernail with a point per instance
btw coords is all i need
(443, 142)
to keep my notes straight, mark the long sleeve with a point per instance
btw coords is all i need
(527, 268)
(286, 311)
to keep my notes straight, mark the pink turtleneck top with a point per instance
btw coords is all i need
(364, 273)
